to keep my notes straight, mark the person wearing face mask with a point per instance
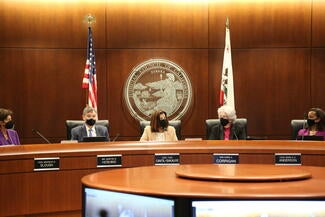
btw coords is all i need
(89, 129)
(159, 129)
(315, 123)
(228, 129)
(8, 136)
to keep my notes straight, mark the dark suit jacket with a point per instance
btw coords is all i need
(79, 132)
(237, 132)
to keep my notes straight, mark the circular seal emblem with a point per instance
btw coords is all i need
(158, 84)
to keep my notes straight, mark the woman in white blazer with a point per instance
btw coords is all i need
(159, 129)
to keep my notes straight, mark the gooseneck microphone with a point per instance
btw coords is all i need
(304, 125)
(40, 135)
(235, 134)
(115, 138)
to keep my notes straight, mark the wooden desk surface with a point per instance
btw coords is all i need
(163, 181)
(241, 146)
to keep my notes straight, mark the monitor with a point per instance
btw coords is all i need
(104, 203)
(94, 139)
(258, 208)
(312, 138)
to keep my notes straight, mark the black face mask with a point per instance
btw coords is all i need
(9, 125)
(310, 122)
(163, 123)
(91, 122)
(224, 121)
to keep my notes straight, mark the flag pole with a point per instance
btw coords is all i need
(227, 23)
(89, 19)
(227, 84)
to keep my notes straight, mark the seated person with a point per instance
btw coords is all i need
(159, 129)
(89, 129)
(315, 123)
(227, 129)
(7, 135)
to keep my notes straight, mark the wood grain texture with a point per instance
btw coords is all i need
(50, 24)
(318, 18)
(261, 24)
(59, 192)
(141, 181)
(318, 78)
(277, 58)
(157, 24)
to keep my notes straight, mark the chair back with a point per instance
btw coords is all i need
(296, 125)
(70, 124)
(209, 123)
(175, 123)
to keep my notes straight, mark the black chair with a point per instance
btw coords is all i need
(209, 123)
(175, 123)
(70, 124)
(296, 125)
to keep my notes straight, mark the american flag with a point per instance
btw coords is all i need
(89, 80)
(227, 85)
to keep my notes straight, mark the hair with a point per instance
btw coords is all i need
(155, 120)
(88, 109)
(4, 113)
(321, 115)
(230, 111)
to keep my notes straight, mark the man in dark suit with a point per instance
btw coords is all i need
(89, 129)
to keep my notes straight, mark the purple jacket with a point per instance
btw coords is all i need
(13, 138)
(305, 132)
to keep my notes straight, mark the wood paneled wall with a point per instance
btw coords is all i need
(278, 51)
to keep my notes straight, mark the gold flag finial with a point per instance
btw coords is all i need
(90, 19)
(227, 23)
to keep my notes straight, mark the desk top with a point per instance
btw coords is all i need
(241, 173)
(164, 181)
(134, 147)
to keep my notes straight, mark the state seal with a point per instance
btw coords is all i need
(158, 84)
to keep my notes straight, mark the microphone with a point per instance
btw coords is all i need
(304, 125)
(40, 135)
(115, 138)
(235, 134)
(305, 117)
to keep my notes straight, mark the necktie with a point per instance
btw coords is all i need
(90, 132)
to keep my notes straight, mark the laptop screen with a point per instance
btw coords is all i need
(94, 139)
(98, 202)
(259, 208)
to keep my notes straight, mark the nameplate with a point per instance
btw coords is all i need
(225, 158)
(167, 159)
(114, 160)
(44, 164)
(287, 158)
